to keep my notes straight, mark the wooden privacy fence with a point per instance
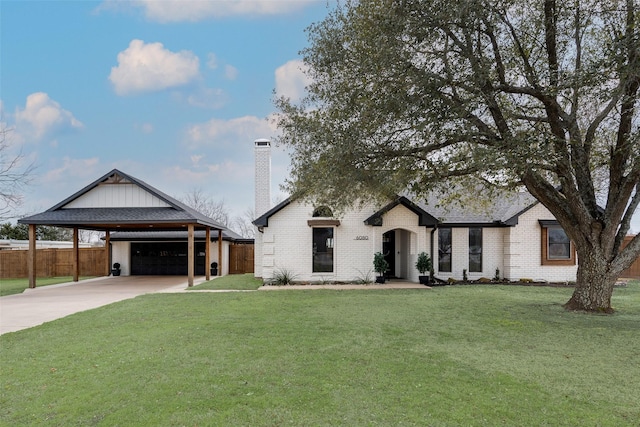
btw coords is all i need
(633, 271)
(241, 259)
(53, 262)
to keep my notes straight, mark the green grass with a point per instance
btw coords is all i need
(452, 356)
(17, 286)
(238, 282)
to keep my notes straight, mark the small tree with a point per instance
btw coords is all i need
(380, 265)
(423, 263)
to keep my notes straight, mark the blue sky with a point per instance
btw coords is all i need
(173, 93)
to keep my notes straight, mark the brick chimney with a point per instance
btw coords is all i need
(262, 176)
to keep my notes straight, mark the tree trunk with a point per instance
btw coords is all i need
(594, 285)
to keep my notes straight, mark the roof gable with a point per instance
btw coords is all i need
(119, 199)
(424, 218)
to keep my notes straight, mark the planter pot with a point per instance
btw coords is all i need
(115, 272)
(380, 279)
(214, 271)
(424, 280)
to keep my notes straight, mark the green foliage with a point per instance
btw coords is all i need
(283, 358)
(380, 265)
(423, 263)
(363, 278)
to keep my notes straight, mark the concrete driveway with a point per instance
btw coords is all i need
(44, 304)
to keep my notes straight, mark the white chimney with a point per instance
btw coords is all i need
(263, 176)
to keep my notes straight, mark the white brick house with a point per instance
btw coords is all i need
(517, 236)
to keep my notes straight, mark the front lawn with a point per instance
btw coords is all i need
(452, 356)
(238, 282)
(17, 286)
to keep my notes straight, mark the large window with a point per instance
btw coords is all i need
(475, 250)
(557, 248)
(444, 249)
(323, 250)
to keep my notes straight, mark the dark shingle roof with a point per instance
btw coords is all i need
(496, 211)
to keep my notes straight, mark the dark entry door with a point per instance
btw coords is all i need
(389, 251)
(165, 258)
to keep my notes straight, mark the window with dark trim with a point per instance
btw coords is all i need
(475, 250)
(557, 248)
(322, 249)
(322, 211)
(444, 249)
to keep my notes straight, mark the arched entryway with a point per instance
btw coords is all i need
(399, 247)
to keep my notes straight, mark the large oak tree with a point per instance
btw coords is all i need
(409, 95)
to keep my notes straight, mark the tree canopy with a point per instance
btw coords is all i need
(412, 95)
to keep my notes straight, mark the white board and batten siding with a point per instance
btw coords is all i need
(117, 196)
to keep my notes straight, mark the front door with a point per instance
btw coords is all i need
(389, 252)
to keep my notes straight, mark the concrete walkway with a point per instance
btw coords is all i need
(43, 304)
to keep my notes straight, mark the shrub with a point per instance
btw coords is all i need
(380, 264)
(282, 277)
(423, 263)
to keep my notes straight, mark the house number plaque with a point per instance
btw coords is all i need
(362, 238)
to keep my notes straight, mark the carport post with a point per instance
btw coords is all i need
(31, 261)
(76, 255)
(190, 257)
(220, 252)
(107, 252)
(207, 254)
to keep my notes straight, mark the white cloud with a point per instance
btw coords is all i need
(150, 67)
(42, 117)
(291, 80)
(212, 61)
(216, 132)
(230, 72)
(200, 10)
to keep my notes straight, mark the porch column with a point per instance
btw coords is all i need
(190, 255)
(76, 255)
(31, 258)
(220, 252)
(107, 252)
(207, 254)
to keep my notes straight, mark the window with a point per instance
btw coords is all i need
(557, 248)
(444, 249)
(323, 250)
(322, 211)
(475, 250)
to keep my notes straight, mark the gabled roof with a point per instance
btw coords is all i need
(424, 218)
(498, 212)
(172, 215)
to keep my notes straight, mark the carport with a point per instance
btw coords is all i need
(120, 202)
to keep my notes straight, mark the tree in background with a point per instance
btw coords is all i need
(14, 175)
(43, 232)
(417, 95)
(216, 210)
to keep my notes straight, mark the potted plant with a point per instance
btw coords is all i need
(380, 266)
(423, 265)
(115, 271)
(214, 268)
